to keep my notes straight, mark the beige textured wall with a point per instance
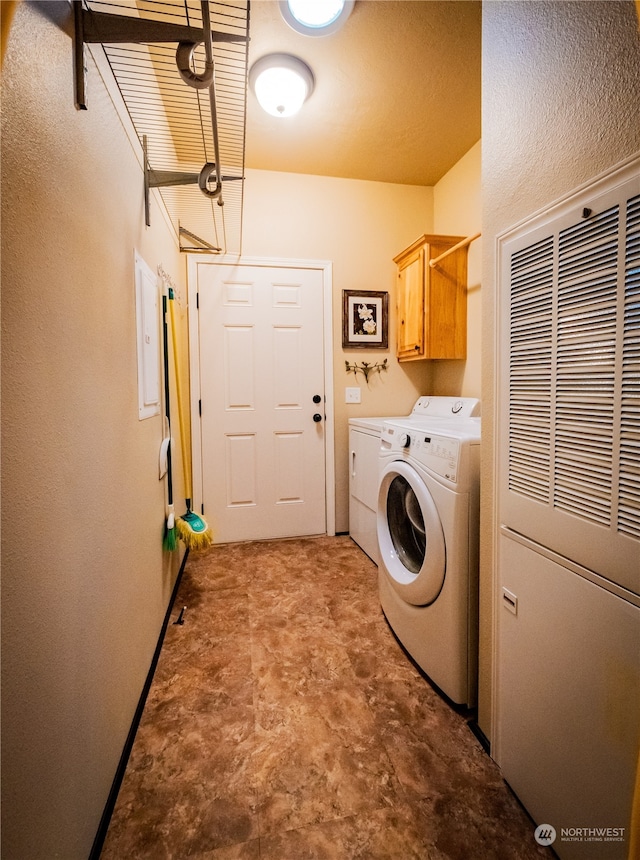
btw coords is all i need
(360, 227)
(561, 104)
(84, 582)
(457, 211)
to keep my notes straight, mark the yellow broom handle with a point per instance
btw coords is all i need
(183, 437)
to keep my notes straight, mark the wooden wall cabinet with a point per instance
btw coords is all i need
(432, 301)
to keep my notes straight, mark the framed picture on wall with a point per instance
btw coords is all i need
(365, 319)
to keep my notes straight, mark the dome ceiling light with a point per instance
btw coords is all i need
(316, 17)
(281, 83)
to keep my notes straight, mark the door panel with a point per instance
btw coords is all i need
(261, 363)
(240, 360)
(240, 469)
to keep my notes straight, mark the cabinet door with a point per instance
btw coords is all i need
(411, 306)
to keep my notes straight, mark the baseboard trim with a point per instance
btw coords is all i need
(105, 820)
(480, 735)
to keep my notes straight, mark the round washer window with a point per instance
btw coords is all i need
(410, 536)
(406, 525)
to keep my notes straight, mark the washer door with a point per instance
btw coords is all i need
(410, 535)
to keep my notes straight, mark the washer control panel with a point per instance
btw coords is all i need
(440, 454)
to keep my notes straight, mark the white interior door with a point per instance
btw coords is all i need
(262, 392)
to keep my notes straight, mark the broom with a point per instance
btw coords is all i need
(170, 540)
(192, 529)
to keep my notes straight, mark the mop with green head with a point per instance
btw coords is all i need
(170, 539)
(192, 529)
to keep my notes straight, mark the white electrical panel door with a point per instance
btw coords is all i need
(147, 321)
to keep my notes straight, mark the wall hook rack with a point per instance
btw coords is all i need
(366, 369)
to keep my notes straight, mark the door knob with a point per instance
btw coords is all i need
(317, 417)
(317, 398)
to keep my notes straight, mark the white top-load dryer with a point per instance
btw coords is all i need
(428, 535)
(364, 451)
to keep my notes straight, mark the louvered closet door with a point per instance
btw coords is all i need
(570, 381)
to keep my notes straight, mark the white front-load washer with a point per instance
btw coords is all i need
(364, 454)
(428, 535)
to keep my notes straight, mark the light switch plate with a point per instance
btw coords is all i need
(352, 395)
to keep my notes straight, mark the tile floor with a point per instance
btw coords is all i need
(285, 722)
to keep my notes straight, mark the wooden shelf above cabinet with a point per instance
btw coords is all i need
(432, 300)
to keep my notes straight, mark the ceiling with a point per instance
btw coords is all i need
(396, 98)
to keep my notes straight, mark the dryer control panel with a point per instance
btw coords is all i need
(427, 407)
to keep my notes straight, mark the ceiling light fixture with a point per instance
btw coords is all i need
(316, 17)
(281, 83)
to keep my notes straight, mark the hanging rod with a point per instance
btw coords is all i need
(216, 194)
(457, 247)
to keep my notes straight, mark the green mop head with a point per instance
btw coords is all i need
(193, 531)
(170, 539)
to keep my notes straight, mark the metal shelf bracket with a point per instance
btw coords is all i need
(197, 244)
(170, 178)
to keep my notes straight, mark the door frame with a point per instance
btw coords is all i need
(326, 269)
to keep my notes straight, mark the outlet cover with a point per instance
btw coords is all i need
(352, 395)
